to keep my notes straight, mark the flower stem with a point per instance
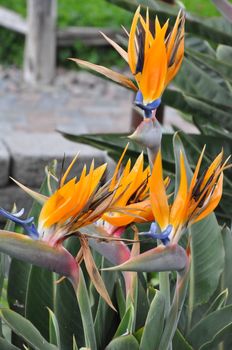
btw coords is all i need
(164, 286)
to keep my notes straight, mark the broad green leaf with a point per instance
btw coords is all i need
(16, 290)
(85, 308)
(218, 303)
(222, 338)
(40, 291)
(180, 343)
(66, 307)
(106, 320)
(125, 342)
(226, 281)
(5, 265)
(5, 345)
(220, 66)
(26, 330)
(68, 316)
(224, 53)
(204, 109)
(120, 297)
(210, 329)
(127, 322)
(142, 305)
(54, 331)
(207, 261)
(154, 324)
(197, 83)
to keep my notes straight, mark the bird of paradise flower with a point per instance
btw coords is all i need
(154, 59)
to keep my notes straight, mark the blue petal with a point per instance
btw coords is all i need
(27, 224)
(156, 234)
(146, 108)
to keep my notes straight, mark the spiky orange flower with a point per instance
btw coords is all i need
(192, 203)
(131, 199)
(154, 59)
(75, 204)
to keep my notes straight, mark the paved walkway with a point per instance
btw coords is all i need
(78, 100)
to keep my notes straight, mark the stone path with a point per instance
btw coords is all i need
(78, 101)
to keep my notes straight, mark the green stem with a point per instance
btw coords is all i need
(86, 314)
(164, 286)
(191, 291)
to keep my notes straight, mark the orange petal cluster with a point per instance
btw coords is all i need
(75, 202)
(154, 59)
(192, 202)
(131, 199)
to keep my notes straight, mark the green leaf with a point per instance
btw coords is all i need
(226, 282)
(127, 322)
(142, 304)
(106, 319)
(211, 329)
(180, 343)
(197, 83)
(66, 307)
(224, 53)
(154, 324)
(16, 290)
(125, 342)
(68, 316)
(218, 65)
(218, 303)
(54, 331)
(120, 298)
(26, 330)
(204, 109)
(5, 345)
(207, 261)
(39, 297)
(85, 308)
